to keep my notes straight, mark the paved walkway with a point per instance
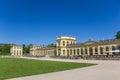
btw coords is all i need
(105, 70)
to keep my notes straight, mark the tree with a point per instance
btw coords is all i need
(51, 45)
(5, 49)
(0, 50)
(26, 49)
(118, 35)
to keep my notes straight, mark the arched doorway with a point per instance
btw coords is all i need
(59, 52)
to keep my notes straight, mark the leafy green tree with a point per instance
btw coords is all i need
(51, 45)
(26, 49)
(5, 49)
(118, 35)
(0, 50)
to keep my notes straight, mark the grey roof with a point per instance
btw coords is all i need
(92, 42)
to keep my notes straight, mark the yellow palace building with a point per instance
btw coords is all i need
(67, 46)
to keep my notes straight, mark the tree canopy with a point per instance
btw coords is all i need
(118, 35)
(51, 45)
(5, 49)
(26, 49)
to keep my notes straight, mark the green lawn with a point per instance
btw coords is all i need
(16, 67)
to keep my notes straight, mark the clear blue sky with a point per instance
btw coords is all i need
(41, 21)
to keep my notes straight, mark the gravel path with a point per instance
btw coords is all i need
(105, 70)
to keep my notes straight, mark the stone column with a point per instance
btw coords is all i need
(93, 49)
(80, 51)
(104, 50)
(72, 52)
(110, 49)
(65, 52)
(61, 52)
(88, 53)
(98, 50)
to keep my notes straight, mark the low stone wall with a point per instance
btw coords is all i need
(90, 57)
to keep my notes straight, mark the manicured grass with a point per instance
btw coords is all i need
(16, 67)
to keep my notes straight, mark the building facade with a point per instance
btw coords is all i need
(33, 49)
(16, 50)
(66, 46)
(42, 51)
(61, 44)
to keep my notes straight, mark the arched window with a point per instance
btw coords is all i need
(101, 50)
(107, 48)
(119, 47)
(91, 51)
(71, 52)
(63, 43)
(86, 51)
(63, 52)
(59, 52)
(74, 51)
(68, 52)
(96, 50)
(113, 48)
(82, 51)
(78, 52)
